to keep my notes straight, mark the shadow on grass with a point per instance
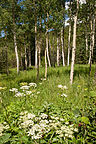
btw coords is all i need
(81, 70)
(30, 75)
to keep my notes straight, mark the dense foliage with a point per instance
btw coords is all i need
(45, 15)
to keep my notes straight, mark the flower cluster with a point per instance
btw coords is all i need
(26, 89)
(19, 94)
(3, 127)
(33, 85)
(63, 95)
(3, 88)
(38, 126)
(13, 90)
(62, 87)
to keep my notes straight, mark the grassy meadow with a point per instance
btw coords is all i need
(48, 111)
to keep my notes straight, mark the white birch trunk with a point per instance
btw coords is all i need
(46, 56)
(47, 43)
(74, 45)
(62, 45)
(25, 55)
(57, 51)
(50, 51)
(14, 35)
(69, 48)
(92, 38)
(93, 34)
(16, 52)
(40, 42)
(91, 43)
(36, 50)
(49, 63)
(86, 39)
(39, 57)
(21, 58)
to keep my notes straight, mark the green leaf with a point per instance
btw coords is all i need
(42, 141)
(55, 140)
(5, 138)
(85, 120)
(92, 93)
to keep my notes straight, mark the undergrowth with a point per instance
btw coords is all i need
(69, 109)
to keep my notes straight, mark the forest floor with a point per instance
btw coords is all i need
(49, 110)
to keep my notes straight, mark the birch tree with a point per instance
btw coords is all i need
(69, 35)
(57, 50)
(49, 63)
(62, 33)
(14, 34)
(74, 43)
(36, 50)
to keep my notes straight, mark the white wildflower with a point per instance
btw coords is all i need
(57, 118)
(70, 136)
(40, 83)
(24, 113)
(64, 95)
(76, 130)
(42, 125)
(31, 132)
(3, 88)
(37, 137)
(25, 87)
(71, 125)
(66, 123)
(27, 123)
(1, 129)
(36, 127)
(63, 127)
(43, 79)
(33, 85)
(61, 135)
(44, 121)
(50, 121)
(28, 92)
(30, 116)
(58, 132)
(66, 135)
(6, 127)
(13, 90)
(43, 115)
(52, 117)
(19, 94)
(62, 87)
(65, 87)
(55, 125)
(61, 119)
(38, 92)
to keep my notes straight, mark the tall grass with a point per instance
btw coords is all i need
(49, 90)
